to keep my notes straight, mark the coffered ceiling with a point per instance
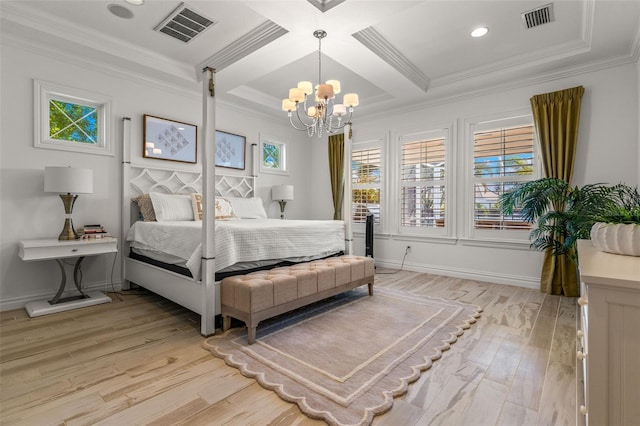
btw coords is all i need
(393, 53)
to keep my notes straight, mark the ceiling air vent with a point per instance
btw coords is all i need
(184, 24)
(538, 16)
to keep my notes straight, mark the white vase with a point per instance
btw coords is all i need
(618, 238)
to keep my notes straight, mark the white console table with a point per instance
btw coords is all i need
(53, 249)
(609, 336)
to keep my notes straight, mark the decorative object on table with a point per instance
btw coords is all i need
(169, 140)
(68, 182)
(94, 231)
(618, 228)
(322, 115)
(230, 150)
(282, 194)
(332, 359)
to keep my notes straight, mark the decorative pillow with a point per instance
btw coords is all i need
(146, 207)
(172, 206)
(248, 208)
(196, 205)
(223, 209)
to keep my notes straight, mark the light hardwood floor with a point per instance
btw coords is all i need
(139, 361)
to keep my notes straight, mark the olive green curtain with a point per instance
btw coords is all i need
(557, 118)
(336, 172)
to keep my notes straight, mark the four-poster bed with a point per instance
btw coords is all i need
(200, 295)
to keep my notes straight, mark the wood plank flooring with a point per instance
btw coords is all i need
(138, 360)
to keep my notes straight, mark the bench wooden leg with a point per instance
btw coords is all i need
(251, 331)
(226, 322)
(370, 289)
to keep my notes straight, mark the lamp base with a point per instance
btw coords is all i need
(283, 203)
(68, 232)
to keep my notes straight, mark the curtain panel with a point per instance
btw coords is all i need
(336, 173)
(557, 118)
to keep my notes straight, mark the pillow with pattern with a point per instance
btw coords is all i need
(146, 207)
(223, 209)
(196, 204)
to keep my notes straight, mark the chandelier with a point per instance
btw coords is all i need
(324, 115)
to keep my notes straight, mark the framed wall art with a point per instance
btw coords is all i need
(230, 150)
(169, 140)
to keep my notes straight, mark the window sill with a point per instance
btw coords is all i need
(426, 238)
(495, 243)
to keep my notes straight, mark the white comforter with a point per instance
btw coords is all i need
(242, 240)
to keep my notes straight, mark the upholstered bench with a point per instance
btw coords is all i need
(264, 294)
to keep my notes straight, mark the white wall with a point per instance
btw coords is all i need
(27, 212)
(638, 118)
(608, 151)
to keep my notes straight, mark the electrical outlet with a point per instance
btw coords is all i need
(408, 249)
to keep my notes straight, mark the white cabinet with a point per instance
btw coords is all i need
(609, 347)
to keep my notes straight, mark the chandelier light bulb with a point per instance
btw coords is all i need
(306, 86)
(335, 84)
(296, 95)
(325, 91)
(351, 100)
(288, 106)
(339, 110)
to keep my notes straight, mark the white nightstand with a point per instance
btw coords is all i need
(53, 249)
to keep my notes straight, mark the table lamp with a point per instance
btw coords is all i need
(68, 182)
(282, 194)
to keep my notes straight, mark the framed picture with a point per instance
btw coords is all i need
(169, 140)
(273, 156)
(71, 119)
(230, 150)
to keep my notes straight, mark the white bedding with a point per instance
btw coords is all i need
(242, 240)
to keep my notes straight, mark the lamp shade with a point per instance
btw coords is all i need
(68, 180)
(282, 192)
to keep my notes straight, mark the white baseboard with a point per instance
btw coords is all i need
(21, 301)
(469, 274)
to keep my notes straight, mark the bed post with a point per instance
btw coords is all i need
(346, 198)
(125, 218)
(207, 321)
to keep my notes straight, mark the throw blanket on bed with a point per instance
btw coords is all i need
(242, 240)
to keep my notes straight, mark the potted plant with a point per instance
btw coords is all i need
(617, 229)
(562, 213)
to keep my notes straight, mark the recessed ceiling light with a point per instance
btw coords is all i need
(120, 11)
(479, 32)
(135, 2)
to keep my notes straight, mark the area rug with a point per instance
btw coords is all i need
(343, 360)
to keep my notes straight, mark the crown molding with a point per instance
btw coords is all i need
(380, 46)
(259, 37)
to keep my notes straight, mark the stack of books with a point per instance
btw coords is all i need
(94, 231)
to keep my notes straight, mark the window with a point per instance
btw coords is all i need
(503, 156)
(71, 120)
(273, 156)
(366, 183)
(423, 181)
